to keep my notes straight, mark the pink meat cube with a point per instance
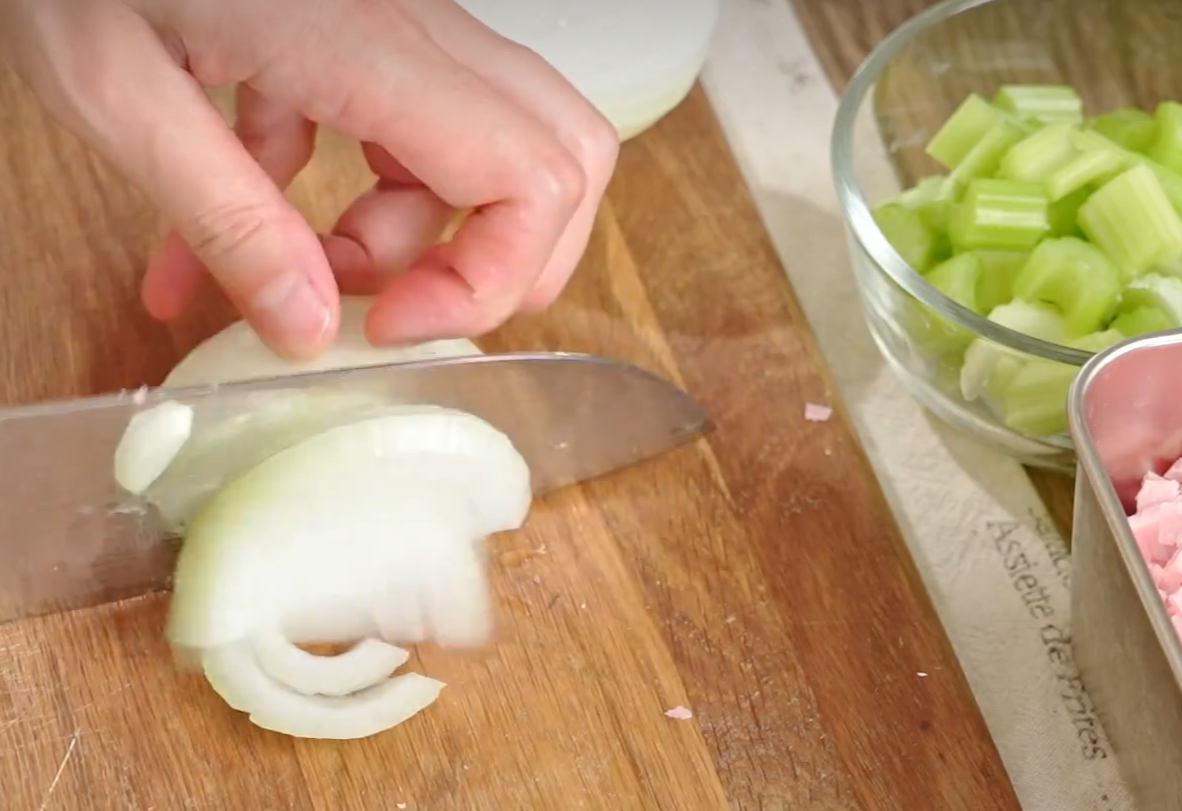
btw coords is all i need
(1174, 604)
(1175, 471)
(1146, 528)
(1156, 490)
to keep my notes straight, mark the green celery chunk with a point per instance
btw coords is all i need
(1086, 168)
(963, 130)
(984, 159)
(1171, 181)
(908, 234)
(931, 198)
(1048, 104)
(1141, 320)
(1131, 219)
(1155, 291)
(981, 359)
(1063, 214)
(1130, 127)
(1035, 401)
(956, 278)
(999, 214)
(1167, 146)
(1039, 154)
(998, 271)
(1074, 276)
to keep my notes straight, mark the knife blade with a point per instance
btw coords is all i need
(71, 538)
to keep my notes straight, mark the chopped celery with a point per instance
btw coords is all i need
(1086, 168)
(1040, 154)
(999, 214)
(1003, 375)
(1171, 181)
(1035, 401)
(957, 278)
(984, 158)
(1131, 219)
(1162, 293)
(1044, 103)
(1130, 127)
(1063, 215)
(1037, 320)
(931, 198)
(1074, 276)
(963, 130)
(1167, 146)
(998, 271)
(907, 233)
(1140, 320)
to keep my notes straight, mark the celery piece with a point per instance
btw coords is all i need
(907, 233)
(1166, 148)
(1063, 214)
(1153, 290)
(963, 129)
(1074, 276)
(1048, 104)
(1171, 181)
(1002, 214)
(998, 271)
(1039, 154)
(1130, 127)
(1141, 320)
(1086, 168)
(1003, 375)
(931, 198)
(1035, 401)
(984, 159)
(981, 359)
(957, 279)
(1131, 219)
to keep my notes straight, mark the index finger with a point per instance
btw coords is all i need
(391, 85)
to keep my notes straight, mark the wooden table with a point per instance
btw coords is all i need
(755, 577)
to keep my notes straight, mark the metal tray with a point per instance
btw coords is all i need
(1125, 412)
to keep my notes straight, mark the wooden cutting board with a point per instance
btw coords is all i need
(756, 577)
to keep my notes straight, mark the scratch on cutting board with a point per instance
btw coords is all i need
(60, 769)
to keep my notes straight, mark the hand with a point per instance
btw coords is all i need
(449, 116)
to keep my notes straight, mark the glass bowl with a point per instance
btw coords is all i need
(1115, 53)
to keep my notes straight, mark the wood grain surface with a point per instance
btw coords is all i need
(755, 577)
(1114, 52)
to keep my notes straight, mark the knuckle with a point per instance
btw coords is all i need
(561, 180)
(227, 228)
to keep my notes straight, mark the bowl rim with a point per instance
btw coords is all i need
(857, 210)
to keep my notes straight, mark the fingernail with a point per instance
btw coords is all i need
(292, 315)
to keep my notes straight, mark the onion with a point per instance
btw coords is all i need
(324, 516)
(635, 60)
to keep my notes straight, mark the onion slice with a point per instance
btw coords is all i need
(362, 666)
(235, 674)
(152, 440)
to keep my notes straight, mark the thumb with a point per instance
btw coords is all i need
(148, 116)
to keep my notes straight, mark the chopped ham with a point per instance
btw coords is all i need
(1156, 490)
(1157, 528)
(680, 713)
(817, 413)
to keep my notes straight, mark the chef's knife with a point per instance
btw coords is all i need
(69, 538)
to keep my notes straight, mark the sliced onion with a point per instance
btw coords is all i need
(362, 666)
(313, 539)
(235, 674)
(325, 516)
(635, 60)
(152, 440)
